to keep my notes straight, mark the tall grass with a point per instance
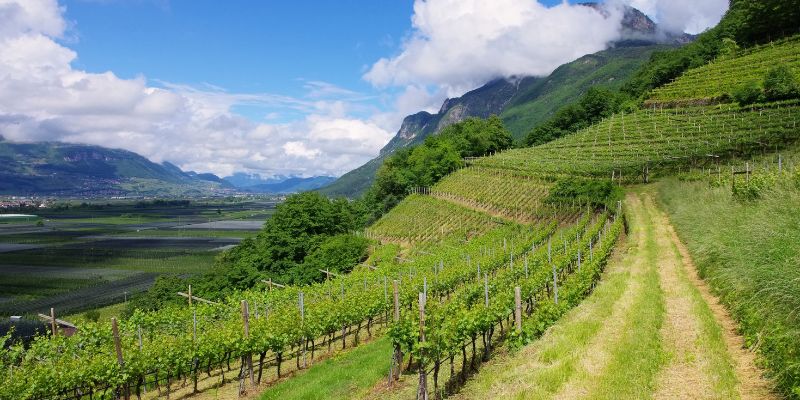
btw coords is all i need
(749, 252)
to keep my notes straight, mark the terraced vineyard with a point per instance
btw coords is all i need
(422, 218)
(717, 79)
(499, 192)
(657, 141)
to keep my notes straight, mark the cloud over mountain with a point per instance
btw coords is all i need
(456, 45)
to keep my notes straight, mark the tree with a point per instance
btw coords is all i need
(338, 254)
(781, 84)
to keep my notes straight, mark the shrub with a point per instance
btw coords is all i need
(748, 93)
(781, 84)
(92, 315)
(593, 191)
(753, 188)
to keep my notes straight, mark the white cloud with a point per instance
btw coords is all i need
(689, 16)
(460, 44)
(42, 97)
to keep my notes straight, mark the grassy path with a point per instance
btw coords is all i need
(650, 330)
(348, 376)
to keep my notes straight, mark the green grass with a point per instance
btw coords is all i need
(749, 253)
(169, 260)
(637, 355)
(25, 287)
(347, 376)
(106, 313)
(711, 338)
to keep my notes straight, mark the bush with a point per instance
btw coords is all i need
(592, 191)
(92, 315)
(781, 84)
(748, 93)
(752, 189)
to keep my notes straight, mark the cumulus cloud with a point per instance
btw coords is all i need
(677, 16)
(42, 97)
(459, 44)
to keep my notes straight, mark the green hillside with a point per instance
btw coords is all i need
(610, 68)
(521, 104)
(51, 168)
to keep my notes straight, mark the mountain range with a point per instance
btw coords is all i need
(279, 184)
(524, 102)
(78, 170)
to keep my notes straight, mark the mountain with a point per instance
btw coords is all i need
(292, 185)
(524, 102)
(61, 169)
(243, 180)
(278, 184)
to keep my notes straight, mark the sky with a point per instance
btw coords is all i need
(297, 87)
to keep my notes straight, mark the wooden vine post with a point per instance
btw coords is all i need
(117, 349)
(53, 324)
(398, 353)
(555, 284)
(422, 390)
(518, 309)
(247, 359)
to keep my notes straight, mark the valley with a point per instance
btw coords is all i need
(624, 227)
(85, 256)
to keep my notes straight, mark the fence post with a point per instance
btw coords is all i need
(518, 309)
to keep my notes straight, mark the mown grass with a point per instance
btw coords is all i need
(638, 354)
(347, 376)
(719, 360)
(749, 253)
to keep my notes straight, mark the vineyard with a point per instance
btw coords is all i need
(634, 147)
(498, 192)
(715, 80)
(422, 218)
(481, 259)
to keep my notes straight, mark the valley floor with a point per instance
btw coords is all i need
(650, 330)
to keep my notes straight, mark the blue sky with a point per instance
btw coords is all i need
(277, 87)
(247, 46)
(243, 46)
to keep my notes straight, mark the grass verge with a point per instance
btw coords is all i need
(346, 376)
(748, 252)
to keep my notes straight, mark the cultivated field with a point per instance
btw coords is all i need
(92, 256)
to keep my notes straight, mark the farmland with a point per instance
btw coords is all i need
(83, 257)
